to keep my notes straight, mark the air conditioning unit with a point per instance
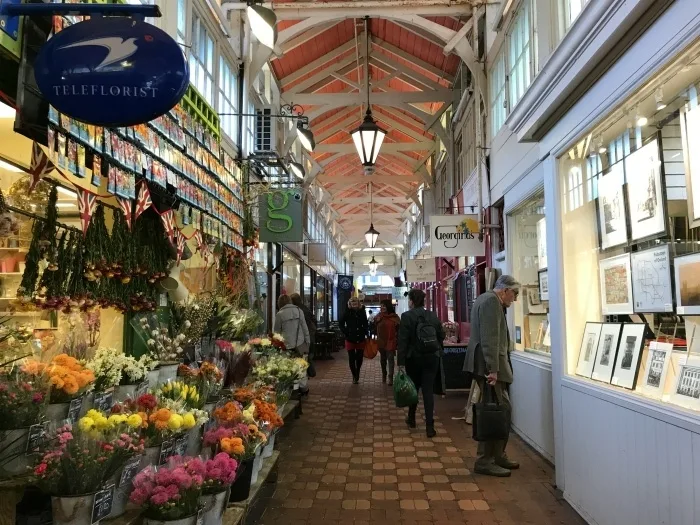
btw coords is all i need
(265, 130)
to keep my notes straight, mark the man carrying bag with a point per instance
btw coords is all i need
(488, 360)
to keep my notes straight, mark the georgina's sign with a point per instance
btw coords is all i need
(112, 72)
(455, 236)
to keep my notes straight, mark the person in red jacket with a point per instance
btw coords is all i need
(387, 326)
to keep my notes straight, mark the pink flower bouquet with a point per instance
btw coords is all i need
(220, 473)
(171, 492)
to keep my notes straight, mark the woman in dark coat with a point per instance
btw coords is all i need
(355, 328)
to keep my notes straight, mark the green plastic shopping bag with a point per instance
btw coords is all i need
(405, 392)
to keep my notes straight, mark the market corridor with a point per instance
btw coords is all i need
(350, 459)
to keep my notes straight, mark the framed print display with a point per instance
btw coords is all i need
(616, 285)
(543, 281)
(589, 345)
(688, 284)
(645, 192)
(686, 391)
(542, 244)
(691, 134)
(651, 280)
(606, 352)
(612, 219)
(628, 355)
(656, 369)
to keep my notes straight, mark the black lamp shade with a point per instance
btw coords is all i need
(368, 140)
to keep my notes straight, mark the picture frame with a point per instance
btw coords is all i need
(656, 370)
(686, 270)
(646, 191)
(686, 389)
(616, 285)
(612, 215)
(543, 285)
(589, 347)
(606, 353)
(652, 284)
(690, 133)
(628, 357)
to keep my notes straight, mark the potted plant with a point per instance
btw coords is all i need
(81, 459)
(124, 373)
(170, 494)
(220, 473)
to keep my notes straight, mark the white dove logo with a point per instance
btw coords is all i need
(119, 48)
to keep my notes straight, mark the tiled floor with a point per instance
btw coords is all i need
(351, 459)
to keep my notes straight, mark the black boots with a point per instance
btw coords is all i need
(430, 431)
(411, 421)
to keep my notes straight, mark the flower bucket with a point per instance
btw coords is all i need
(189, 520)
(57, 412)
(72, 510)
(151, 456)
(269, 447)
(13, 460)
(209, 408)
(280, 409)
(214, 506)
(257, 465)
(153, 376)
(167, 372)
(124, 392)
(194, 441)
(240, 490)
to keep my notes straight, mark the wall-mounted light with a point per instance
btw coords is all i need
(306, 137)
(640, 120)
(297, 169)
(263, 24)
(659, 98)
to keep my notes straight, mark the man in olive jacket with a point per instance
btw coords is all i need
(488, 361)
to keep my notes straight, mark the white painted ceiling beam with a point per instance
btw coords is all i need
(312, 66)
(362, 8)
(383, 99)
(391, 123)
(362, 179)
(415, 80)
(387, 147)
(346, 80)
(345, 201)
(421, 33)
(303, 38)
(317, 78)
(383, 45)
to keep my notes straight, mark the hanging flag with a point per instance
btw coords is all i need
(126, 205)
(39, 167)
(144, 201)
(168, 218)
(198, 239)
(87, 202)
(180, 245)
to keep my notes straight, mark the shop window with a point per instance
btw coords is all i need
(520, 64)
(570, 9)
(228, 99)
(249, 137)
(291, 274)
(202, 60)
(630, 250)
(181, 21)
(528, 250)
(497, 91)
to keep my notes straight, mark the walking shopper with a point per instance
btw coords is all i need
(387, 325)
(420, 343)
(290, 322)
(371, 322)
(308, 317)
(488, 359)
(355, 328)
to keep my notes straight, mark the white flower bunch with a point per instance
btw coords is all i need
(280, 369)
(112, 367)
(161, 343)
(178, 406)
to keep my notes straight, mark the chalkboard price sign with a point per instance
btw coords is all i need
(167, 449)
(181, 445)
(452, 364)
(103, 401)
(37, 434)
(74, 409)
(102, 504)
(130, 469)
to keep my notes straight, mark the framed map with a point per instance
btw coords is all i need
(616, 285)
(651, 280)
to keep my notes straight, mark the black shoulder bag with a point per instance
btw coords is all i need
(491, 421)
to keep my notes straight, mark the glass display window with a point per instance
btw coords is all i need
(528, 249)
(631, 242)
(291, 274)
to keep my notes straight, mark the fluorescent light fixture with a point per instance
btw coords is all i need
(66, 191)
(66, 205)
(6, 111)
(263, 23)
(9, 167)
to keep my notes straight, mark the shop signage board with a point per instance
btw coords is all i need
(281, 215)
(112, 72)
(10, 32)
(420, 270)
(455, 236)
(317, 253)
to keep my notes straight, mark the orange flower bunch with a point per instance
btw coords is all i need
(256, 435)
(66, 375)
(211, 372)
(233, 446)
(160, 418)
(229, 414)
(267, 413)
(244, 395)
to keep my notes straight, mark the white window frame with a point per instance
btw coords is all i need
(202, 61)
(228, 98)
(181, 36)
(569, 12)
(249, 138)
(519, 46)
(497, 92)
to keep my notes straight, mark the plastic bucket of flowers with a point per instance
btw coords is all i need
(269, 447)
(220, 474)
(170, 494)
(257, 465)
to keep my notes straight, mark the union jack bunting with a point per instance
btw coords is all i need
(39, 167)
(126, 205)
(168, 218)
(198, 239)
(87, 201)
(180, 245)
(144, 200)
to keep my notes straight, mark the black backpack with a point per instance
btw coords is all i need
(428, 343)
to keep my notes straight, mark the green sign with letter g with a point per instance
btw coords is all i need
(281, 215)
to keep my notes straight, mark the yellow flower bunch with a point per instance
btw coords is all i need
(96, 420)
(179, 391)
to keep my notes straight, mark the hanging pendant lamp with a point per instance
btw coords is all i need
(371, 235)
(369, 136)
(373, 264)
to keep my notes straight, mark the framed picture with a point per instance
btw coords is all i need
(606, 352)
(687, 284)
(612, 218)
(690, 132)
(616, 285)
(589, 346)
(628, 355)
(543, 280)
(542, 244)
(645, 191)
(654, 379)
(686, 391)
(652, 288)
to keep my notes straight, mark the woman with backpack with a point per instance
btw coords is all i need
(387, 325)
(355, 328)
(290, 323)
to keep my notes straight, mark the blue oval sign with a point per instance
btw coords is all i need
(112, 72)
